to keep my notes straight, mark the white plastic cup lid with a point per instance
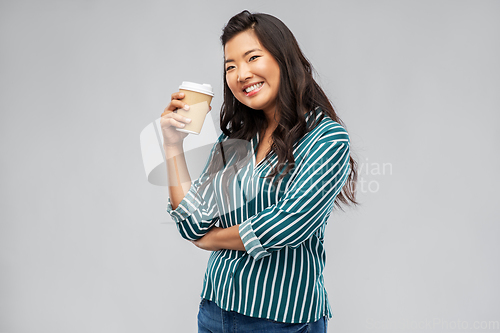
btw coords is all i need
(204, 88)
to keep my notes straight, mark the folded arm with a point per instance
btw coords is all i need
(307, 204)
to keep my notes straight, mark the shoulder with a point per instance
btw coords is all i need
(327, 138)
(326, 130)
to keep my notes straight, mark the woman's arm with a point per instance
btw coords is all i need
(307, 204)
(302, 210)
(179, 181)
(221, 238)
(178, 176)
(194, 211)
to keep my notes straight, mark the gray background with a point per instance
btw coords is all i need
(85, 242)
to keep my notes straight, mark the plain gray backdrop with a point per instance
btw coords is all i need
(86, 245)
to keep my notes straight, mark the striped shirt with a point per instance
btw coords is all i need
(282, 226)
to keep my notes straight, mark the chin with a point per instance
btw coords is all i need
(256, 106)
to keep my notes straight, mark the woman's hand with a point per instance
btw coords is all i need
(209, 241)
(170, 120)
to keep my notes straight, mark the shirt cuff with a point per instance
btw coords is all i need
(186, 208)
(250, 241)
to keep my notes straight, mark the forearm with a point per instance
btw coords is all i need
(229, 239)
(221, 239)
(179, 180)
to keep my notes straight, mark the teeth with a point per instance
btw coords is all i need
(255, 86)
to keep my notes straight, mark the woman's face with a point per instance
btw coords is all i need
(252, 73)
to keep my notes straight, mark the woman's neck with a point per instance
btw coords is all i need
(272, 122)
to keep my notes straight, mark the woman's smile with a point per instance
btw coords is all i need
(251, 90)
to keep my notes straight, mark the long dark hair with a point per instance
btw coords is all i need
(298, 94)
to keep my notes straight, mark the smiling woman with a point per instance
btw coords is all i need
(252, 73)
(265, 272)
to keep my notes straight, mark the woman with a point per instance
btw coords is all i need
(271, 195)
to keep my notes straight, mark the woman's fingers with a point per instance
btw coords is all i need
(177, 95)
(171, 120)
(176, 119)
(176, 103)
(177, 123)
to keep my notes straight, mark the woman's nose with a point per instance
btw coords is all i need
(244, 74)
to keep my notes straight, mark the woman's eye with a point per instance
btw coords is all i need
(229, 68)
(253, 58)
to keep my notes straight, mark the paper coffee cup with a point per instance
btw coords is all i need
(198, 97)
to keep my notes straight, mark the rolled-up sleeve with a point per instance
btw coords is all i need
(197, 212)
(308, 202)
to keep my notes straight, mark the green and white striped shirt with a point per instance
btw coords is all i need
(280, 275)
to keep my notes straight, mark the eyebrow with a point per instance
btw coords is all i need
(245, 54)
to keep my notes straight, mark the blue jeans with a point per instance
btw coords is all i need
(212, 319)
